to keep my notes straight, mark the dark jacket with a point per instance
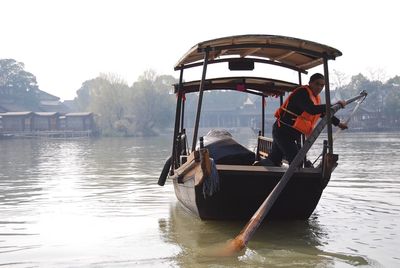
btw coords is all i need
(299, 102)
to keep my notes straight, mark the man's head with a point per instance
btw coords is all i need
(317, 83)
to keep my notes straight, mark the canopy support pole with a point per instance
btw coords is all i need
(263, 103)
(201, 89)
(176, 128)
(328, 106)
(303, 137)
(183, 111)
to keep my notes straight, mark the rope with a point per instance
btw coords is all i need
(211, 183)
(350, 116)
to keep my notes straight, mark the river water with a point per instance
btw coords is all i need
(96, 203)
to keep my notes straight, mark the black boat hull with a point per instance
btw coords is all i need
(242, 191)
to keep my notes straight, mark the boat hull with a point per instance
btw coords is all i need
(242, 191)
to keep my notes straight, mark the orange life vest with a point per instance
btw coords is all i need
(304, 122)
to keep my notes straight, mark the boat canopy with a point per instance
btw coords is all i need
(254, 85)
(289, 52)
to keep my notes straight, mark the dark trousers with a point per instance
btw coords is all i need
(283, 146)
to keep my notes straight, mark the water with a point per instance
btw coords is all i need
(95, 203)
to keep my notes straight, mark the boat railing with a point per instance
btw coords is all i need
(264, 147)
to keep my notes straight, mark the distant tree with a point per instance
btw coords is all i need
(338, 79)
(166, 106)
(123, 110)
(392, 99)
(151, 103)
(358, 83)
(395, 81)
(17, 84)
(392, 105)
(82, 100)
(105, 96)
(377, 74)
(107, 100)
(383, 98)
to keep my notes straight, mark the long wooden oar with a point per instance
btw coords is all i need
(241, 240)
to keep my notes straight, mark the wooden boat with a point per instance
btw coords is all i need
(217, 178)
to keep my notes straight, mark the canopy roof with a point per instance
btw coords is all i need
(281, 50)
(79, 114)
(25, 113)
(254, 85)
(47, 113)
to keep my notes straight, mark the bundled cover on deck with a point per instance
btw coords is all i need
(225, 150)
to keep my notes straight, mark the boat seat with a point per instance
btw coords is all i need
(264, 147)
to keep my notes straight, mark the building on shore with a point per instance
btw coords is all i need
(79, 121)
(47, 117)
(47, 124)
(45, 121)
(16, 121)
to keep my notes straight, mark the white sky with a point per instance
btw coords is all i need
(66, 42)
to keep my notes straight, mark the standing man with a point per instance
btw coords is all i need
(298, 115)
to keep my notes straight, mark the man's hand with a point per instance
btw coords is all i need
(343, 126)
(342, 103)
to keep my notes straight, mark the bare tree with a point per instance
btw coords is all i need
(338, 79)
(377, 74)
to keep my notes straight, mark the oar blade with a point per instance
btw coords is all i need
(230, 248)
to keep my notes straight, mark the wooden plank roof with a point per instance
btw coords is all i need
(48, 114)
(79, 114)
(291, 52)
(255, 85)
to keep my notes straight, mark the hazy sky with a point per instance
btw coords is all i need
(64, 43)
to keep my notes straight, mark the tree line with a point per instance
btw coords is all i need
(143, 108)
(17, 85)
(383, 98)
(147, 106)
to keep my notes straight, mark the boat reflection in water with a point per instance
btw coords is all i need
(277, 243)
